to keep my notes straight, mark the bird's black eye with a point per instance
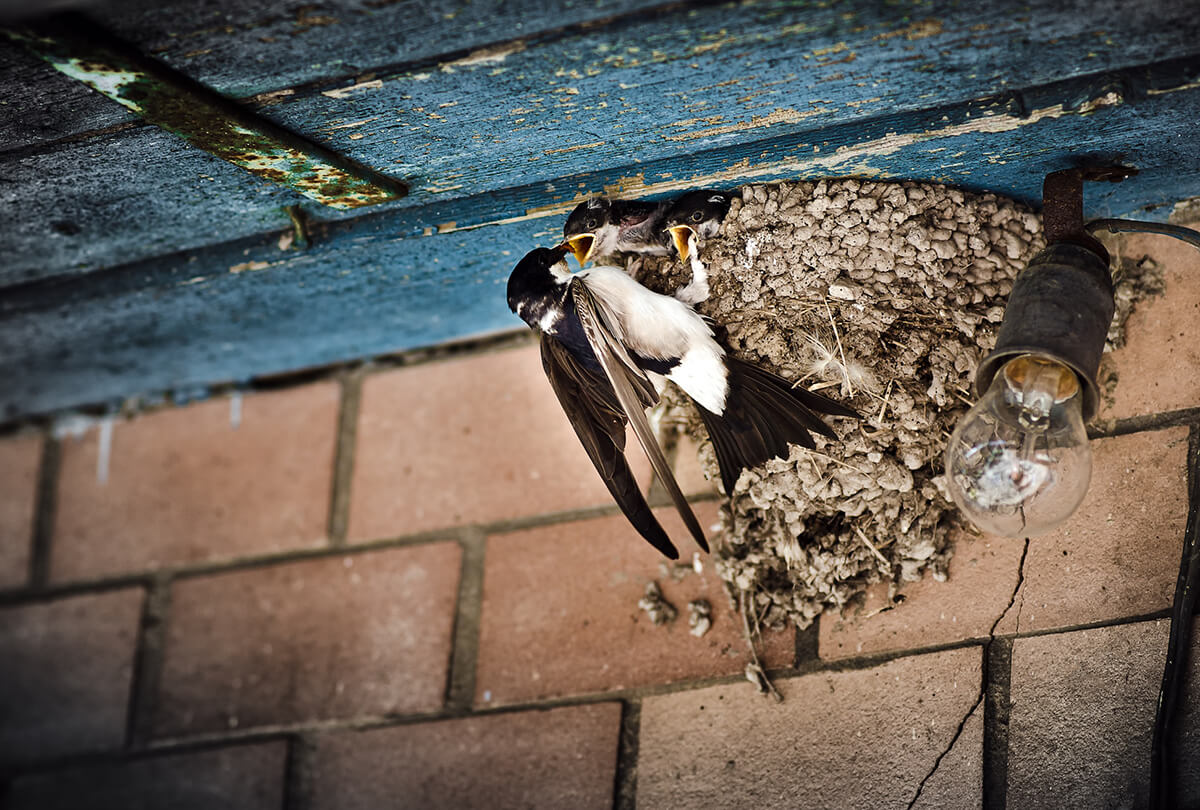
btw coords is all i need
(592, 224)
(698, 216)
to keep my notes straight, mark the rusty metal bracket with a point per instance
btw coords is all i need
(1061, 305)
(1062, 204)
(204, 118)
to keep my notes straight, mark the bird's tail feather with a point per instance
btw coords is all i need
(763, 414)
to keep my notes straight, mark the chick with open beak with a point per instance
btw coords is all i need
(603, 230)
(694, 218)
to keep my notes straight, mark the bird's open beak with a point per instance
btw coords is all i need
(581, 246)
(679, 235)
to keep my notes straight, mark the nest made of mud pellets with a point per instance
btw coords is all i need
(885, 295)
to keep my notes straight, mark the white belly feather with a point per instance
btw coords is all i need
(662, 328)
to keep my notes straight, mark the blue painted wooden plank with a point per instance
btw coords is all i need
(369, 286)
(38, 105)
(207, 120)
(704, 78)
(163, 328)
(244, 48)
(122, 199)
(700, 81)
(129, 198)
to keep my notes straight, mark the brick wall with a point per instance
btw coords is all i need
(407, 586)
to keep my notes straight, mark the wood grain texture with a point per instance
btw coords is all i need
(133, 196)
(374, 285)
(638, 88)
(244, 49)
(39, 106)
(141, 264)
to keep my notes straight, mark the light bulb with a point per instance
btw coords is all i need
(1018, 463)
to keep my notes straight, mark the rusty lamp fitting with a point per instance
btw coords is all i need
(1019, 464)
(1062, 304)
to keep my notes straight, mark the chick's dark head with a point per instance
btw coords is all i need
(697, 212)
(583, 223)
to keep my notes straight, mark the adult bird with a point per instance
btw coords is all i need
(691, 220)
(607, 343)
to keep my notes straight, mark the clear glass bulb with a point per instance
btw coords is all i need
(1019, 463)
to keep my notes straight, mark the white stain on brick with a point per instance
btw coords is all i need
(104, 452)
(74, 425)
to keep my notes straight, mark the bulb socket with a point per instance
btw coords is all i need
(1061, 306)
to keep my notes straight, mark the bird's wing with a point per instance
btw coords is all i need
(592, 407)
(630, 383)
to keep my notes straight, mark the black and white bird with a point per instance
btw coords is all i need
(607, 343)
(603, 230)
(691, 220)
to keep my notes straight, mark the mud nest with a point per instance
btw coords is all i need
(886, 296)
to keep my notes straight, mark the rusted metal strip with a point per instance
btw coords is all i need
(207, 120)
(1062, 203)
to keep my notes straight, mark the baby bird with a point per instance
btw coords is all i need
(602, 230)
(694, 218)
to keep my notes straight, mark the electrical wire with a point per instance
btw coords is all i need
(1187, 586)
(1137, 226)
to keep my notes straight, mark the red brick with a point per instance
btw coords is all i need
(185, 485)
(488, 423)
(1156, 366)
(958, 780)
(65, 680)
(19, 460)
(1082, 718)
(361, 635)
(561, 758)
(1118, 555)
(863, 738)
(561, 616)
(982, 577)
(247, 777)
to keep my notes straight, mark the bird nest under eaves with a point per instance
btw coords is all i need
(885, 295)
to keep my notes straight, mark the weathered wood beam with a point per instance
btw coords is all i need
(250, 48)
(206, 120)
(374, 284)
(640, 87)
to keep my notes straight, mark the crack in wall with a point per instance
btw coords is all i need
(957, 733)
(1012, 599)
(982, 681)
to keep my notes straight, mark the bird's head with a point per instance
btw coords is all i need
(537, 274)
(697, 212)
(580, 230)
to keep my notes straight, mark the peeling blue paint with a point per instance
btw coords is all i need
(373, 286)
(212, 202)
(204, 119)
(501, 143)
(252, 48)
